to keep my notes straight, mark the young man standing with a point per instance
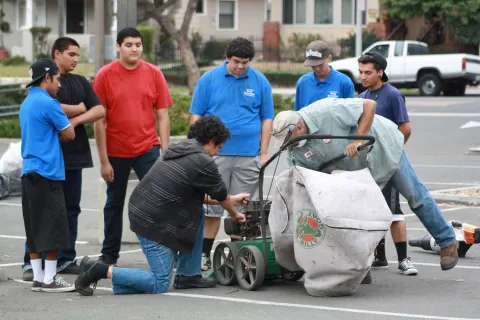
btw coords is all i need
(391, 105)
(79, 102)
(165, 213)
(242, 98)
(323, 81)
(43, 124)
(132, 92)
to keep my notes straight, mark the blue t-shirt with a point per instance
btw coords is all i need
(310, 89)
(41, 118)
(390, 103)
(241, 103)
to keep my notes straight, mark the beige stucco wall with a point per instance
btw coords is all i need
(329, 32)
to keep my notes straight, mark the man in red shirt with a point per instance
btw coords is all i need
(132, 92)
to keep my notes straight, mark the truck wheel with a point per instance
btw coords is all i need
(429, 85)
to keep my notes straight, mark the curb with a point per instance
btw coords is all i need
(445, 196)
(3, 275)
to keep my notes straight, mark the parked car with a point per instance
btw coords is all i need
(411, 66)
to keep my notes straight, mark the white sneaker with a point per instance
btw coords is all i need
(407, 268)
(206, 262)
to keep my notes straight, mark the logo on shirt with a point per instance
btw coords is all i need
(308, 154)
(332, 94)
(249, 93)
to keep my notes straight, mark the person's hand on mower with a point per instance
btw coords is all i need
(239, 217)
(241, 199)
(351, 150)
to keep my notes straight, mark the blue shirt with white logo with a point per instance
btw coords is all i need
(310, 89)
(41, 118)
(241, 103)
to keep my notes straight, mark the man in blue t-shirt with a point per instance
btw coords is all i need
(324, 81)
(43, 125)
(242, 98)
(391, 105)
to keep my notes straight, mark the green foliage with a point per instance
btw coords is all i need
(297, 44)
(215, 49)
(147, 41)
(39, 39)
(14, 61)
(348, 44)
(178, 112)
(4, 25)
(462, 18)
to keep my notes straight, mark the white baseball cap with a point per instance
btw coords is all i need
(282, 122)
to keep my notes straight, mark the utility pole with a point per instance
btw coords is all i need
(126, 14)
(99, 34)
(61, 18)
(358, 39)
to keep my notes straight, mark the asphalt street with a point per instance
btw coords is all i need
(438, 151)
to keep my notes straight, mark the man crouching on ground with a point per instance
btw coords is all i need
(165, 212)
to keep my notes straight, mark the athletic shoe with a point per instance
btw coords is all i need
(36, 286)
(407, 268)
(377, 263)
(206, 262)
(58, 285)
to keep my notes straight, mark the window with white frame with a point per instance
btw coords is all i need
(294, 11)
(201, 7)
(39, 13)
(323, 12)
(226, 14)
(349, 12)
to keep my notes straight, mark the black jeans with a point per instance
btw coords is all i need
(116, 192)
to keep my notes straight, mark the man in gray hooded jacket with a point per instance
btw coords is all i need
(165, 212)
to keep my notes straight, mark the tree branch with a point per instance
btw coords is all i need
(191, 8)
(157, 13)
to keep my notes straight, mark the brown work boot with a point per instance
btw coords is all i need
(449, 257)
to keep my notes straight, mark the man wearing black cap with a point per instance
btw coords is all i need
(391, 105)
(324, 81)
(43, 125)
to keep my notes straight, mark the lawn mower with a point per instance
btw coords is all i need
(250, 260)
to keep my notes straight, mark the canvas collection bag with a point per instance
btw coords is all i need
(328, 225)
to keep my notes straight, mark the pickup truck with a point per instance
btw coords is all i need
(411, 66)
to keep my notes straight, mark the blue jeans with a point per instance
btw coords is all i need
(405, 180)
(160, 259)
(116, 192)
(72, 190)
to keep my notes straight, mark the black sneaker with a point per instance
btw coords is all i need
(85, 279)
(107, 260)
(186, 282)
(377, 263)
(72, 268)
(28, 275)
(367, 279)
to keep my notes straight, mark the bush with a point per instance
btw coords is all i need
(215, 49)
(147, 41)
(14, 61)
(179, 117)
(348, 44)
(283, 79)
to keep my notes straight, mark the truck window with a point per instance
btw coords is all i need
(382, 49)
(416, 49)
(399, 49)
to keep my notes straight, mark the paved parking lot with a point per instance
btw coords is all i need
(438, 149)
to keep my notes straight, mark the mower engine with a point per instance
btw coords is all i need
(251, 228)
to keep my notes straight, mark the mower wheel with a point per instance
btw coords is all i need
(224, 258)
(291, 275)
(250, 268)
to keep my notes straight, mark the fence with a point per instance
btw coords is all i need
(284, 57)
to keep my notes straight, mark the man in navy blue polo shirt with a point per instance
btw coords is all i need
(242, 98)
(391, 105)
(43, 125)
(324, 81)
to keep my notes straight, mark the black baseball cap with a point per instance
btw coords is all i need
(382, 62)
(40, 68)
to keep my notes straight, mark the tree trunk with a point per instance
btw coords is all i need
(193, 72)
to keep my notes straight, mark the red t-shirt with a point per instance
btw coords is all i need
(131, 98)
